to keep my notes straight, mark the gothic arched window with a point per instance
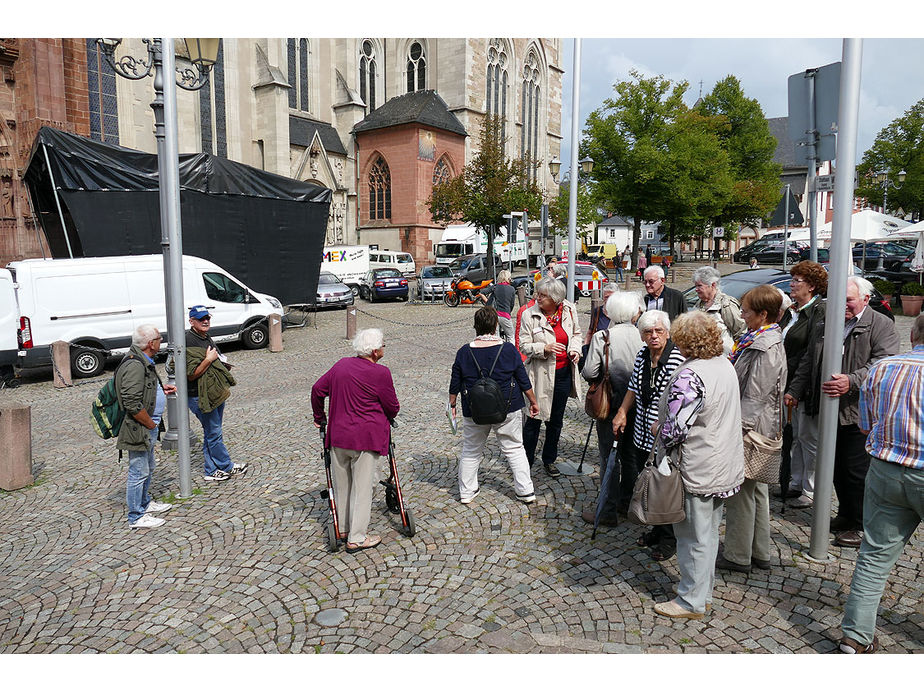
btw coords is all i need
(441, 172)
(367, 73)
(416, 68)
(380, 190)
(529, 136)
(496, 97)
(298, 52)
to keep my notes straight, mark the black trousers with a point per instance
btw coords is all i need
(659, 533)
(851, 462)
(623, 477)
(553, 426)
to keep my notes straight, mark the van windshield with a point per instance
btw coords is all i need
(218, 287)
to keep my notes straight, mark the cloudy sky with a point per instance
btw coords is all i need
(892, 77)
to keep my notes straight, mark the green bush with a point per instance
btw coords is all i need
(883, 286)
(912, 289)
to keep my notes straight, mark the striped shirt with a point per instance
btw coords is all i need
(891, 402)
(647, 387)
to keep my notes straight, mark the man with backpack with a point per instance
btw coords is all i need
(142, 396)
(492, 379)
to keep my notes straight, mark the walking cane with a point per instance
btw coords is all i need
(580, 469)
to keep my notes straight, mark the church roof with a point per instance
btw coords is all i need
(423, 107)
(301, 132)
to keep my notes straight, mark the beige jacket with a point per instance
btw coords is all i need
(535, 333)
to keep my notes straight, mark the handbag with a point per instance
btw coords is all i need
(599, 394)
(657, 499)
(763, 455)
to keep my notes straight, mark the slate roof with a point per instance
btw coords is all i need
(424, 107)
(615, 220)
(301, 132)
(785, 148)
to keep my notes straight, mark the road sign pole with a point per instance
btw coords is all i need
(786, 233)
(810, 178)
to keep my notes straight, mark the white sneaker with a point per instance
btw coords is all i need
(146, 522)
(155, 507)
(238, 469)
(217, 475)
(466, 501)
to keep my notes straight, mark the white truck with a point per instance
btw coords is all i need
(95, 303)
(464, 239)
(349, 262)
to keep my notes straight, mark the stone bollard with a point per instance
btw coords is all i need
(61, 364)
(351, 322)
(16, 444)
(521, 295)
(275, 332)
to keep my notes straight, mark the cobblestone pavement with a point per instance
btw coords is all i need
(243, 566)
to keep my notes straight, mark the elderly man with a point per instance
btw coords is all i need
(891, 401)
(868, 337)
(660, 297)
(143, 398)
(207, 371)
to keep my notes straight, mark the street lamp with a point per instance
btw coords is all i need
(160, 59)
(587, 165)
(554, 168)
(881, 178)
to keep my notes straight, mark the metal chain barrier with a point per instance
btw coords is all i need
(413, 324)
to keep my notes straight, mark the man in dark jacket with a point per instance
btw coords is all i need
(868, 337)
(218, 465)
(660, 297)
(143, 398)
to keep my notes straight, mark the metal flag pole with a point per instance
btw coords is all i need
(813, 137)
(786, 232)
(848, 116)
(575, 176)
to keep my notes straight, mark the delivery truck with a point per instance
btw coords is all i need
(349, 263)
(463, 239)
(95, 304)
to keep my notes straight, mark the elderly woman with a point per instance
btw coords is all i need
(622, 310)
(503, 297)
(760, 363)
(363, 403)
(808, 285)
(550, 341)
(488, 354)
(700, 428)
(724, 309)
(653, 367)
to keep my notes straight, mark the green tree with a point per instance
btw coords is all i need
(559, 209)
(488, 187)
(898, 147)
(628, 138)
(750, 147)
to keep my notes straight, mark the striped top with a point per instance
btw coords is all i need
(647, 386)
(891, 402)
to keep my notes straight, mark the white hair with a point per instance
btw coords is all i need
(552, 288)
(609, 288)
(368, 340)
(144, 334)
(654, 269)
(651, 318)
(864, 287)
(622, 306)
(706, 275)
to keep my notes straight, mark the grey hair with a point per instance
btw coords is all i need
(787, 301)
(707, 275)
(552, 288)
(917, 330)
(503, 277)
(368, 340)
(609, 288)
(863, 285)
(622, 306)
(655, 269)
(651, 318)
(144, 334)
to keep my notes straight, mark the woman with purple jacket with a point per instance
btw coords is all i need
(363, 404)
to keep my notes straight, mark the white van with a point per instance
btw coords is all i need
(403, 262)
(95, 304)
(349, 263)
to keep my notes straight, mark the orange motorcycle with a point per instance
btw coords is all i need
(462, 291)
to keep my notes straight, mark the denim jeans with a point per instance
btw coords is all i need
(893, 507)
(553, 426)
(213, 446)
(140, 471)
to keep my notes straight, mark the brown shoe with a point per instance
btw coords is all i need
(850, 539)
(368, 544)
(589, 515)
(851, 646)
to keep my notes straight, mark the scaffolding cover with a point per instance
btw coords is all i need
(265, 229)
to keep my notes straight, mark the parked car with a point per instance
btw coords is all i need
(432, 282)
(890, 252)
(332, 292)
(738, 283)
(743, 255)
(474, 266)
(529, 281)
(385, 282)
(584, 274)
(772, 253)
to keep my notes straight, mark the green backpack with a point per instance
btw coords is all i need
(105, 413)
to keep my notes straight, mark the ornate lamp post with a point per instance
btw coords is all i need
(881, 178)
(160, 59)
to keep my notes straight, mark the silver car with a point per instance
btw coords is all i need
(333, 292)
(432, 282)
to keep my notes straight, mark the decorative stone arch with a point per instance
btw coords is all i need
(378, 208)
(532, 116)
(401, 60)
(444, 160)
(378, 80)
(500, 80)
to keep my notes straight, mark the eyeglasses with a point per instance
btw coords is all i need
(651, 281)
(207, 318)
(796, 280)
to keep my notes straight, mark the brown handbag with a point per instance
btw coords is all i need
(600, 392)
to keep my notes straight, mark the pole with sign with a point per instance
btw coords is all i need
(717, 233)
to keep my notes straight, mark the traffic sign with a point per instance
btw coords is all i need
(718, 232)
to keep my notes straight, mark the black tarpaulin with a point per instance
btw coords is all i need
(265, 229)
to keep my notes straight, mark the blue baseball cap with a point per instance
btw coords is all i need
(199, 312)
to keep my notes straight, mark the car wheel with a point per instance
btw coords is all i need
(87, 362)
(255, 336)
(354, 289)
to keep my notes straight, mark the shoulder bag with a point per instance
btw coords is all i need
(599, 394)
(657, 499)
(763, 455)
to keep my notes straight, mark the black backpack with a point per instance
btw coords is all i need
(485, 397)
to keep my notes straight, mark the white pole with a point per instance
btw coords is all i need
(575, 173)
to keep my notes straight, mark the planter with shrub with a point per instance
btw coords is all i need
(912, 298)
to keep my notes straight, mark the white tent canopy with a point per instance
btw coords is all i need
(865, 225)
(914, 231)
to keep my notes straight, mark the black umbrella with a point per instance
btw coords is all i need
(605, 483)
